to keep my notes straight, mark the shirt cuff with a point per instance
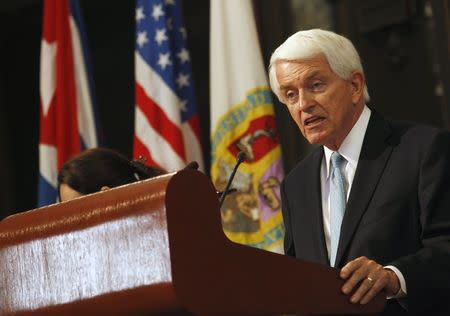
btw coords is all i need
(402, 292)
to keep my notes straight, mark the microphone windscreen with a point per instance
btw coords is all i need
(241, 156)
(193, 165)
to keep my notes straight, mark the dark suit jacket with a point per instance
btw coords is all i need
(398, 211)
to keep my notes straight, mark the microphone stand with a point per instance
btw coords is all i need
(240, 158)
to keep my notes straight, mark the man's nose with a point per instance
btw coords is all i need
(305, 100)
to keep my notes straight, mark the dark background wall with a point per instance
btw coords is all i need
(403, 43)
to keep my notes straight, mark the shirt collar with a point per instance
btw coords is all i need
(352, 144)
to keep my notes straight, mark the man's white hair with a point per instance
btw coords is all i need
(338, 50)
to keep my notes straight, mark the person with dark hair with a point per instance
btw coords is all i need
(99, 169)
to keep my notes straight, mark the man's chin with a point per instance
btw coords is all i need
(316, 139)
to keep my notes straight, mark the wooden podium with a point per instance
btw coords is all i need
(153, 247)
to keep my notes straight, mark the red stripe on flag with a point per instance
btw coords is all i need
(140, 150)
(67, 138)
(49, 28)
(194, 123)
(160, 122)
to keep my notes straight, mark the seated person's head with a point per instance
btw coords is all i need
(99, 169)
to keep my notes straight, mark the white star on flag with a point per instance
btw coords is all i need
(183, 32)
(160, 36)
(140, 14)
(169, 23)
(183, 105)
(142, 38)
(48, 70)
(157, 12)
(183, 55)
(164, 60)
(182, 80)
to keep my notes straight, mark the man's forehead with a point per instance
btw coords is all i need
(302, 69)
(315, 58)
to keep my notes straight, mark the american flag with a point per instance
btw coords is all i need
(167, 129)
(67, 117)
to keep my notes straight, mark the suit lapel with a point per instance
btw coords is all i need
(314, 204)
(374, 155)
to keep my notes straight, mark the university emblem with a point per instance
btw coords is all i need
(252, 214)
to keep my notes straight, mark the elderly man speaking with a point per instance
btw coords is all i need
(374, 199)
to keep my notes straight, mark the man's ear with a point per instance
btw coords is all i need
(104, 188)
(357, 81)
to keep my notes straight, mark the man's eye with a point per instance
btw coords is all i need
(317, 86)
(290, 95)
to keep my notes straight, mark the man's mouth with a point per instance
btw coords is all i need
(314, 120)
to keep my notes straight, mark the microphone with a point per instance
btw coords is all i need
(193, 165)
(239, 159)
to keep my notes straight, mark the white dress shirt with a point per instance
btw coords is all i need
(350, 150)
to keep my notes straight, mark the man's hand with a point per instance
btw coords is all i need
(371, 277)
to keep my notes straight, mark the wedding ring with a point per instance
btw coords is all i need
(370, 280)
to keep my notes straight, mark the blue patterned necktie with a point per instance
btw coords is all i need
(338, 200)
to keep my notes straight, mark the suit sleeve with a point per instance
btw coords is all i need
(427, 272)
(289, 248)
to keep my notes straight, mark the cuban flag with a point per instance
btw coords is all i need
(67, 117)
(167, 129)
